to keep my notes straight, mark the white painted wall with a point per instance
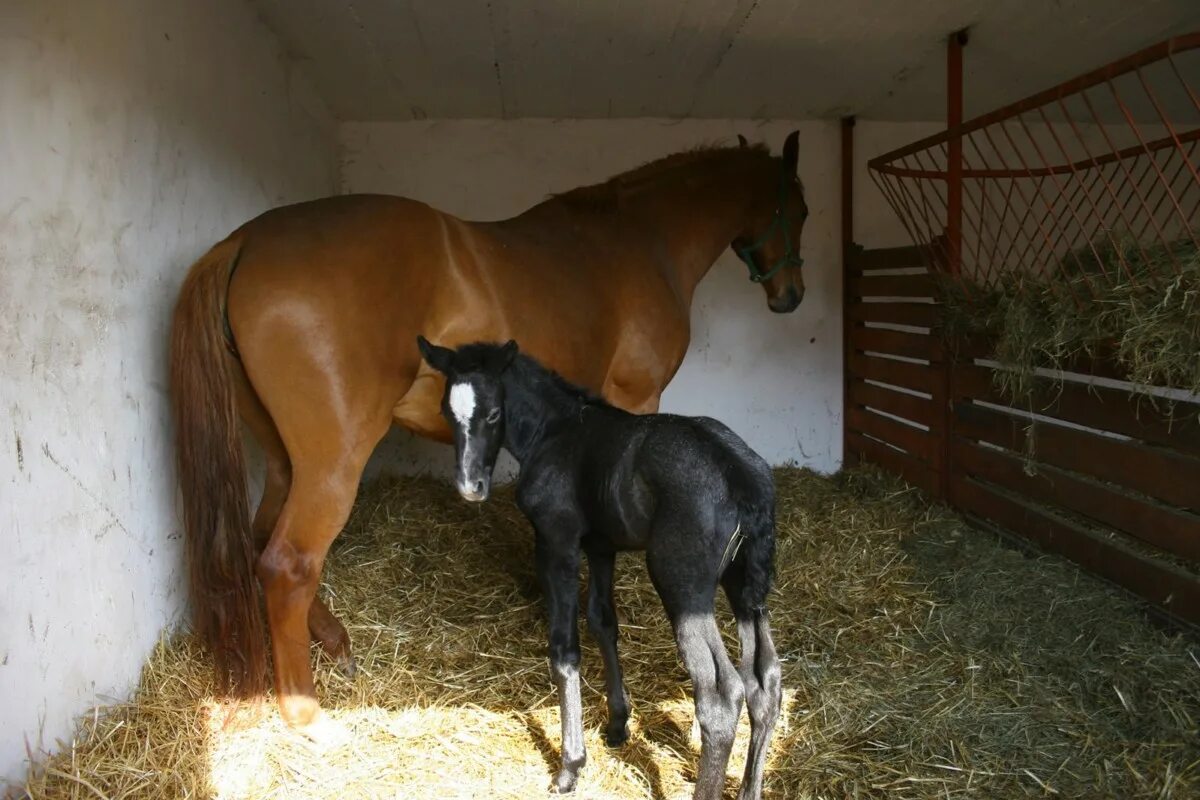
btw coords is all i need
(776, 380)
(133, 134)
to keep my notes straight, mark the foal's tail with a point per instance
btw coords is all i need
(212, 476)
(756, 558)
(753, 488)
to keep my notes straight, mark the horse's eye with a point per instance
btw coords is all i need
(493, 416)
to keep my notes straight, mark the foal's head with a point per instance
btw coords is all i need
(473, 404)
(770, 243)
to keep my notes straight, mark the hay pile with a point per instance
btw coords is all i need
(1139, 303)
(922, 660)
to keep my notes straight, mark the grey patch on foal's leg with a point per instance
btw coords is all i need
(574, 756)
(719, 693)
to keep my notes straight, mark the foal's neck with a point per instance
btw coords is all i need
(537, 403)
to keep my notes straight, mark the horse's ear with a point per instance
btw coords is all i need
(506, 355)
(791, 151)
(742, 143)
(440, 358)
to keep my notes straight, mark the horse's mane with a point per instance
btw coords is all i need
(653, 172)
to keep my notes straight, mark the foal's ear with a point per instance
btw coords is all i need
(791, 152)
(505, 355)
(742, 143)
(440, 358)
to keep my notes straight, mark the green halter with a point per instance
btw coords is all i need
(790, 257)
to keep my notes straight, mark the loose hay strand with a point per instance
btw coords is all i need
(921, 660)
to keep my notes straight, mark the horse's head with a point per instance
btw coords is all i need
(473, 404)
(770, 243)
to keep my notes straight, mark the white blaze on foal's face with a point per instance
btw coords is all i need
(471, 485)
(462, 403)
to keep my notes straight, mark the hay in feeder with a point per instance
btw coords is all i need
(921, 660)
(1140, 303)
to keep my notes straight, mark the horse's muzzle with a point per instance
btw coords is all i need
(786, 303)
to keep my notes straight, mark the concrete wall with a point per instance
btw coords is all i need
(133, 134)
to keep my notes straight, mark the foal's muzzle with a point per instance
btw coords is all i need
(475, 491)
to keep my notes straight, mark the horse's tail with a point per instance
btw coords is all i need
(212, 476)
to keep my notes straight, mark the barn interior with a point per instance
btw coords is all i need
(926, 653)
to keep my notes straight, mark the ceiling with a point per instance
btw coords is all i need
(740, 59)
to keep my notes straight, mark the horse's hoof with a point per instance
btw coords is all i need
(616, 737)
(348, 666)
(324, 733)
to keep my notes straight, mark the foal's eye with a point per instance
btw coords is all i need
(493, 416)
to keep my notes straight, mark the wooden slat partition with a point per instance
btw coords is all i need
(1167, 587)
(1100, 407)
(897, 430)
(1160, 473)
(1161, 526)
(1115, 483)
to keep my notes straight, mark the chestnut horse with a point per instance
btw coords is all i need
(302, 324)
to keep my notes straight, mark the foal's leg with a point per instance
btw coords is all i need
(687, 588)
(602, 622)
(558, 568)
(761, 675)
(322, 624)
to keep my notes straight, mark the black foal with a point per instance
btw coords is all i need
(596, 479)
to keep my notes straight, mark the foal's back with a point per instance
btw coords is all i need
(629, 475)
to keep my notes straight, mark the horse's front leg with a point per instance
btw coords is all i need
(558, 568)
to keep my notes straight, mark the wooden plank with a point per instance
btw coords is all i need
(888, 258)
(923, 315)
(1162, 474)
(891, 286)
(915, 441)
(917, 409)
(919, 377)
(1161, 584)
(1173, 531)
(1104, 365)
(1099, 407)
(897, 343)
(860, 448)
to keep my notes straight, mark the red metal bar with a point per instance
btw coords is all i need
(1060, 169)
(848, 455)
(954, 165)
(1178, 44)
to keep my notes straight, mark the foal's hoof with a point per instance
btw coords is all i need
(564, 782)
(615, 736)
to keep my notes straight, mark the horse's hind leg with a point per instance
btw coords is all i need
(602, 622)
(687, 591)
(762, 677)
(322, 624)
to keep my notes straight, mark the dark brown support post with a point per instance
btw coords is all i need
(953, 263)
(849, 458)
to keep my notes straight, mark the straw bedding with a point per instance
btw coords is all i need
(922, 660)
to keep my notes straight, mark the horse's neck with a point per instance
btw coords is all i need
(697, 217)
